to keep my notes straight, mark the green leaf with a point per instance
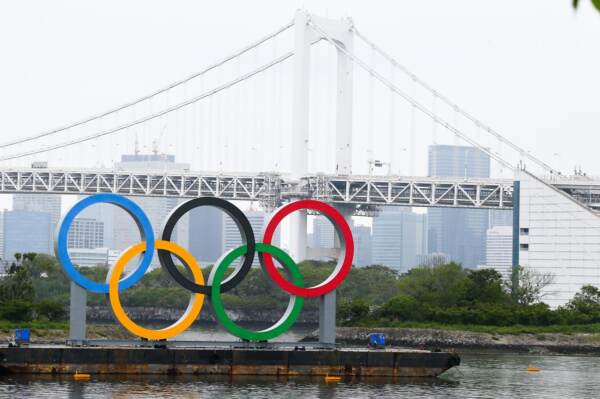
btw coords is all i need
(575, 3)
(596, 4)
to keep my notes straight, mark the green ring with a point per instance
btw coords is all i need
(294, 306)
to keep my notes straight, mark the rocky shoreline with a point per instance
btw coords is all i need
(465, 340)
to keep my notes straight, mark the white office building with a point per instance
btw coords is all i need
(499, 250)
(86, 233)
(1, 235)
(560, 236)
(323, 233)
(433, 259)
(88, 257)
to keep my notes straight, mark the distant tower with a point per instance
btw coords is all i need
(232, 237)
(399, 238)
(26, 231)
(206, 234)
(459, 233)
(363, 245)
(45, 203)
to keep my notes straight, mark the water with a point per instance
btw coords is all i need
(480, 376)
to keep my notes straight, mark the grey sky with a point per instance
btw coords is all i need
(531, 69)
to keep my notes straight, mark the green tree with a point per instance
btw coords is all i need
(596, 4)
(17, 285)
(352, 311)
(485, 286)
(587, 300)
(440, 286)
(402, 308)
(531, 287)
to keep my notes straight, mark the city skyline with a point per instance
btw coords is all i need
(336, 190)
(289, 145)
(400, 245)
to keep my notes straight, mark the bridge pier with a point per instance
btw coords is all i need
(77, 315)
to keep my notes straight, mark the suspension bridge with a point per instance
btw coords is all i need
(315, 109)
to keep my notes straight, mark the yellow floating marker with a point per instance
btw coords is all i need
(533, 369)
(81, 376)
(332, 378)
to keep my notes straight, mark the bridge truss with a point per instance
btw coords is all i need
(269, 189)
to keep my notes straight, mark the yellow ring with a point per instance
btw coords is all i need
(190, 314)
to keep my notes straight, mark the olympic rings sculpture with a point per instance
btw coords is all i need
(216, 283)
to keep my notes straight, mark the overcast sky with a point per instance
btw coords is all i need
(530, 69)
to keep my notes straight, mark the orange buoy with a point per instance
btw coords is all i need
(81, 376)
(332, 378)
(532, 369)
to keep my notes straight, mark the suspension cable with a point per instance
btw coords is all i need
(455, 106)
(151, 95)
(175, 107)
(408, 98)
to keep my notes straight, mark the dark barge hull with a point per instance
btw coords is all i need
(226, 361)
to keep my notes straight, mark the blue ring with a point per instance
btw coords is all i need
(140, 219)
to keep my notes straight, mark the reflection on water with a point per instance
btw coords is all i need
(481, 376)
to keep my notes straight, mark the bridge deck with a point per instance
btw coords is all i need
(268, 188)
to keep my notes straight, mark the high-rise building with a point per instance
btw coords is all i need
(459, 233)
(26, 231)
(1, 236)
(232, 237)
(399, 237)
(47, 203)
(499, 250)
(323, 233)
(363, 247)
(206, 234)
(88, 257)
(433, 259)
(105, 214)
(500, 217)
(157, 209)
(86, 233)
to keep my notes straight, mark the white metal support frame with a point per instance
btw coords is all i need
(341, 31)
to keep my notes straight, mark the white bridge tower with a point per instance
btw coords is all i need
(341, 32)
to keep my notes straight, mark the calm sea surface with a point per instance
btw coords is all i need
(501, 375)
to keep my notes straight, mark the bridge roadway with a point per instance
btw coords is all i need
(270, 189)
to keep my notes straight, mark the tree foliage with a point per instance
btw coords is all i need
(531, 287)
(595, 3)
(36, 287)
(442, 285)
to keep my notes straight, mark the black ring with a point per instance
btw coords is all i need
(247, 238)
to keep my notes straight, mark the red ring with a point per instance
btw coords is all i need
(334, 280)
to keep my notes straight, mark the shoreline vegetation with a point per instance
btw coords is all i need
(453, 306)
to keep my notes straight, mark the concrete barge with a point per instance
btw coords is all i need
(299, 361)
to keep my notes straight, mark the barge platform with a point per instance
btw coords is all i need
(285, 361)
